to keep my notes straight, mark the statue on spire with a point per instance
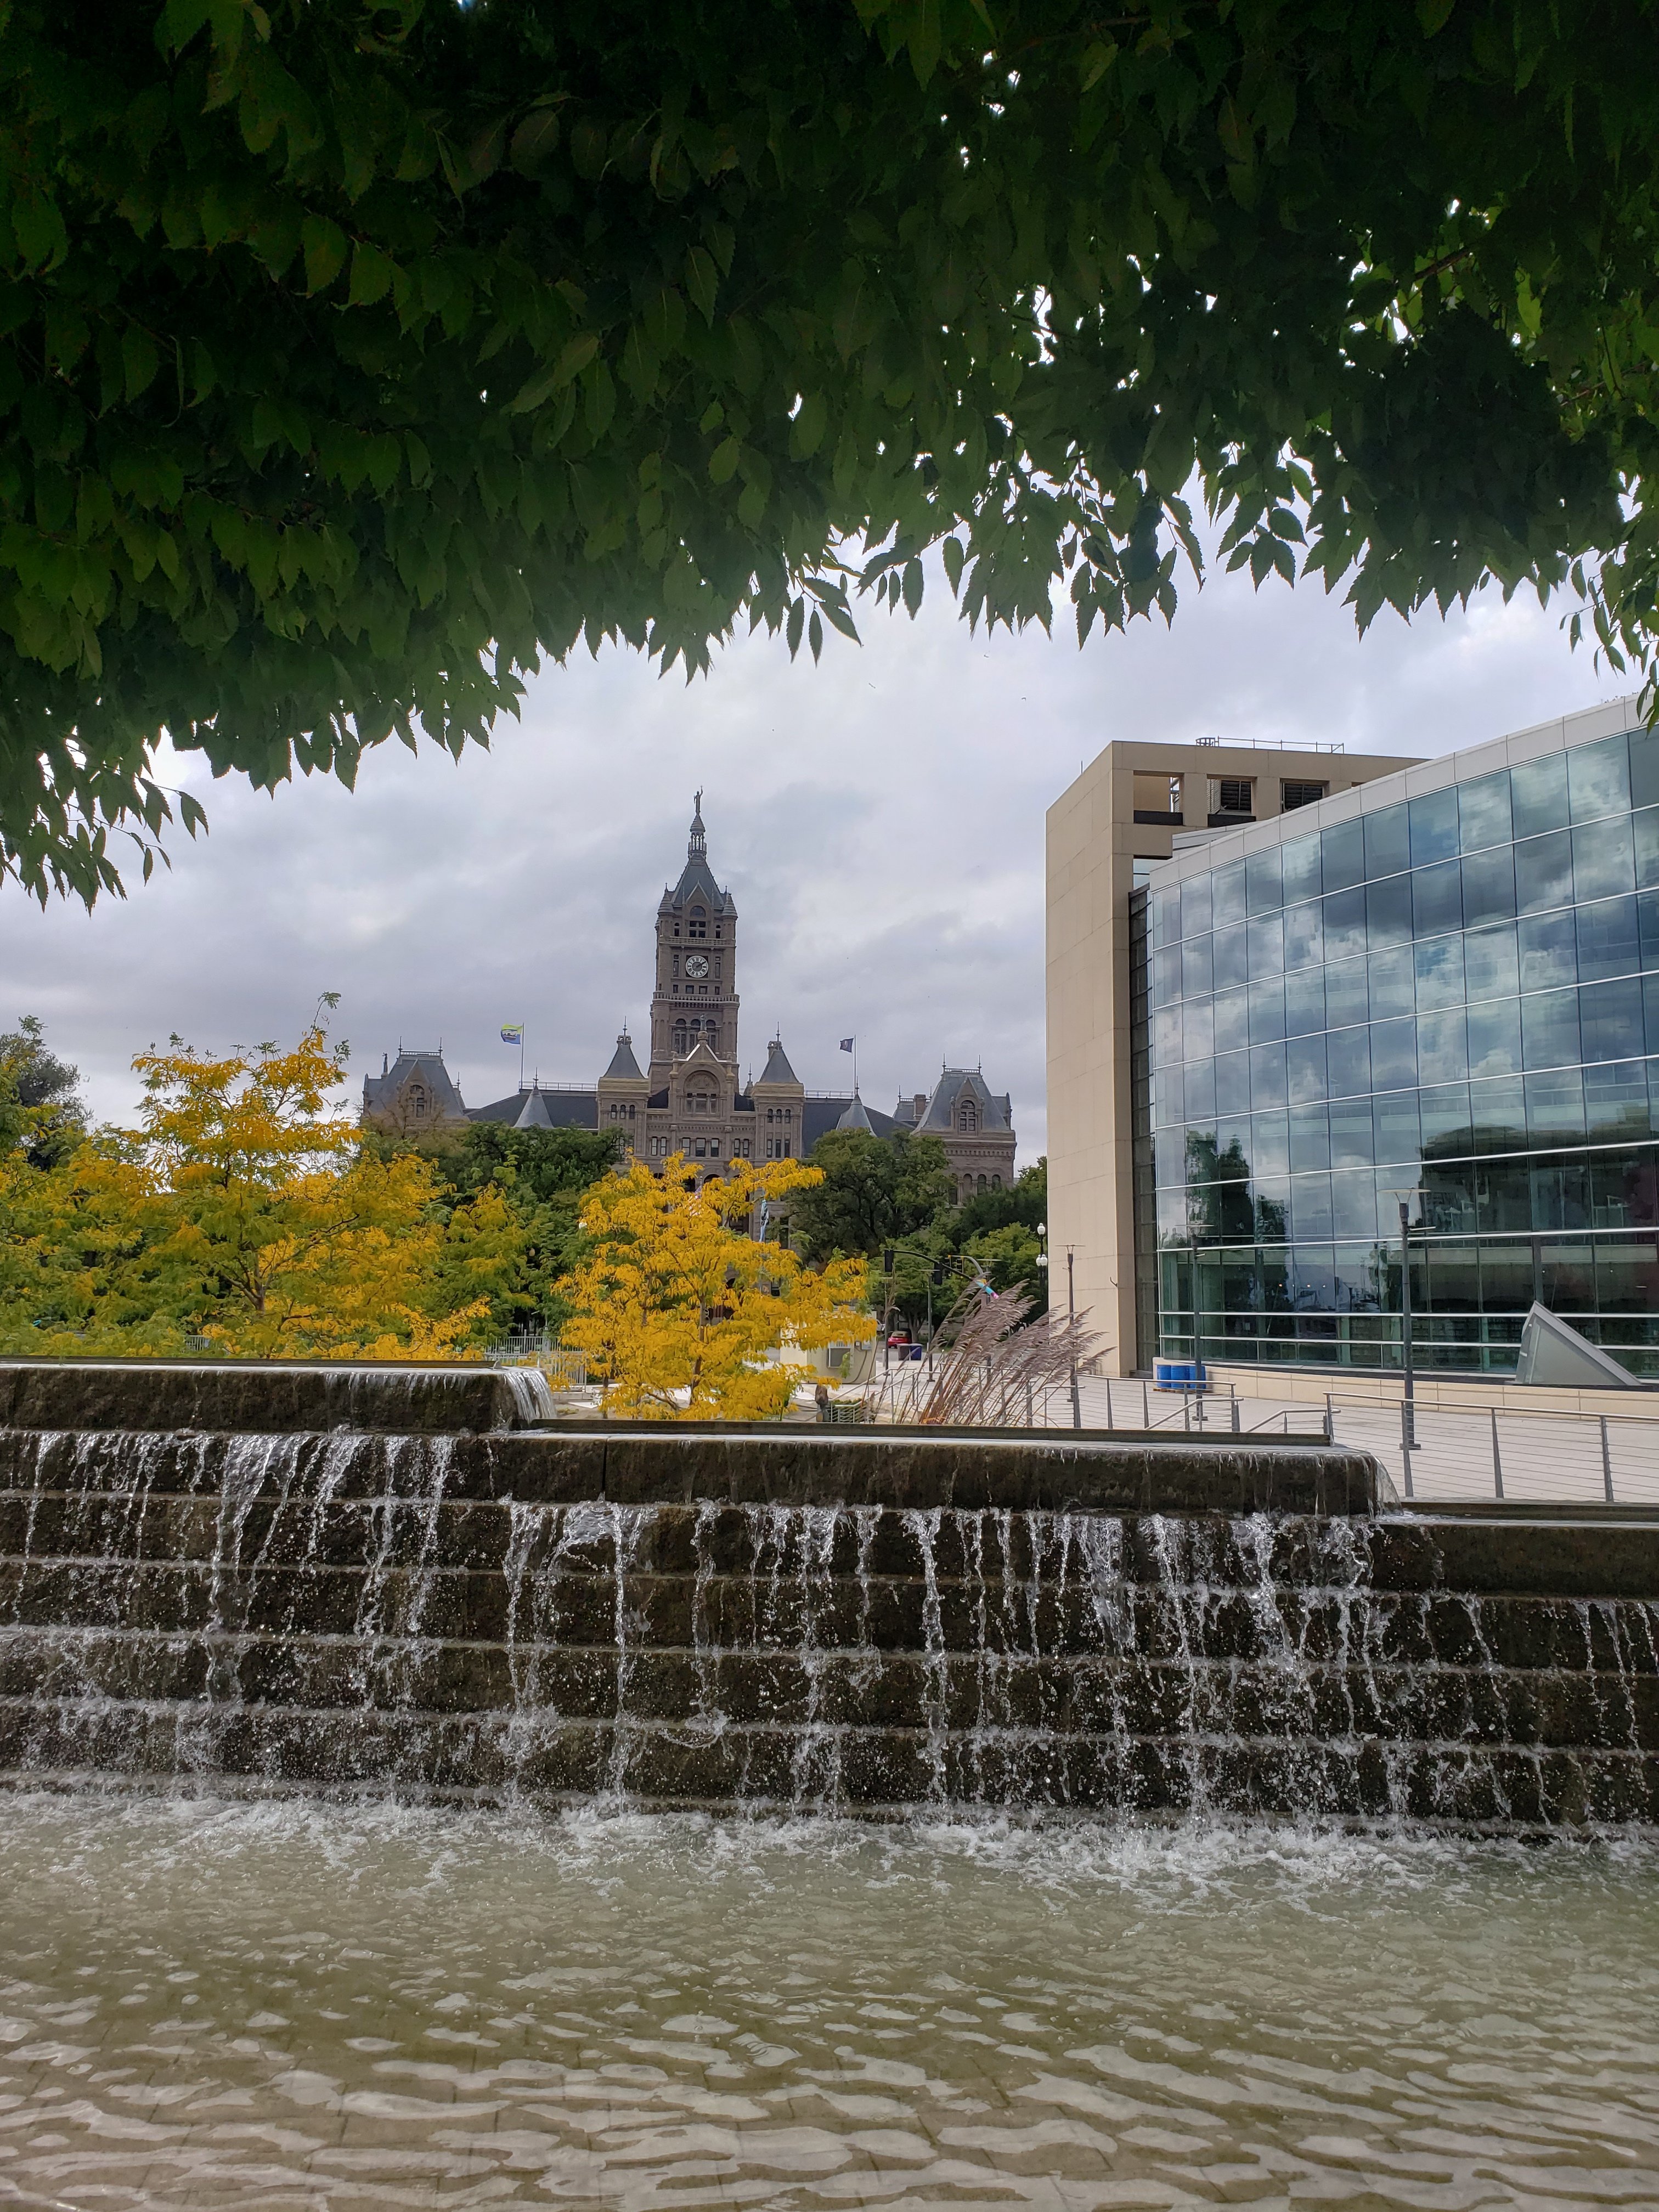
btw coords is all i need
(698, 845)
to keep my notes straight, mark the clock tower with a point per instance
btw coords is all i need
(694, 1001)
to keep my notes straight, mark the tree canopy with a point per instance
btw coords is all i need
(356, 355)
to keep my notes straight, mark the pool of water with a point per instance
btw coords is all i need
(302, 2005)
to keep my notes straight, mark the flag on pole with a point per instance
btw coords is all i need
(512, 1032)
(847, 1044)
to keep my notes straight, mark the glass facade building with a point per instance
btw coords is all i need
(1447, 994)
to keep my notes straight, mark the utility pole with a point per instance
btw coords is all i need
(1071, 1315)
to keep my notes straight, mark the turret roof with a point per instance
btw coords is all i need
(535, 1114)
(777, 1068)
(622, 1062)
(855, 1117)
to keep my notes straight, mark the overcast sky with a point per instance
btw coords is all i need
(878, 820)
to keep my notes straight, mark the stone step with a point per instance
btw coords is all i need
(277, 1526)
(1467, 1785)
(1137, 1696)
(266, 1396)
(881, 1613)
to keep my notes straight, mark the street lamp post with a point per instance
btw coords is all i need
(1071, 1315)
(1407, 1403)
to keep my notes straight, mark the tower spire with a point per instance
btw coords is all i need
(698, 846)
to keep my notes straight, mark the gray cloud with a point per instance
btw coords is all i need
(878, 818)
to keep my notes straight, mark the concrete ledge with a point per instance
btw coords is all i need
(266, 1397)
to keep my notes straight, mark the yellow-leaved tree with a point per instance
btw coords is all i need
(677, 1307)
(244, 1212)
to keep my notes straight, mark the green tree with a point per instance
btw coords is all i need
(41, 1105)
(357, 356)
(544, 1176)
(874, 1190)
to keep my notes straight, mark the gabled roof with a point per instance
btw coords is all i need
(381, 1093)
(777, 1068)
(995, 1114)
(565, 1109)
(624, 1066)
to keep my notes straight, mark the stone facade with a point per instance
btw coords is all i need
(688, 1098)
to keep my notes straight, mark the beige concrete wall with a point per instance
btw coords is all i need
(1093, 842)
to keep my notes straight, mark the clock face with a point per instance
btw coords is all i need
(697, 966)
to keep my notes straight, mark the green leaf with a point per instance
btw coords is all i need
(326, 249)
(372, 272)
(535, 142)
(806, 431)
(702, 280)
(140, 359)
(912, 587)
(955, 553)
(723, 461)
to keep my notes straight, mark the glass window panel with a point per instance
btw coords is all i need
(1353, 1142)
(1232, 1083)
(1305, 1069)
(1393, 983)
(1233, 1021)
(1356, 1263)
(1166, 917)
(1228, 884)
(1389, 912)
(1353, 1214)
(1166, 1037)
(1262, 880)
(1499, 1111)
(1616, 1100)
(1495, 1037)
(1314, 1278)
(1266, 1013)
(1440, 972)
(1393, 1056)
(1345, 924)
(1394, 1129)
(1624, 1193)
(1166, 975)
(1197, 967)
(1538, 795)
(1299, 860)
(1626, 1281)
(1548, 947)
(1305, 1002)
(1610, 1019)
(1653, 1085)
(1543, 873)
(1603, 859)
(1444, 1108)
(1555, 1106)
(1492, 962)
(1233, 1149)
(1266, 943)
(1608, 944)
(1170, 1158)
(1198, 1028)
(1347, 995)
(1489, 886)
(1200, 1091)
(1506, 1278)
(1231, 959)
(1645, 830)
(1304, 935)
(1650, 1001)
(1172, 1213)
(1598, 779)
(1483, 811)
(1168, 1099)
(1644, 768)
(1442, 1051)
(1348, 1054)
(1270, 1145)
(1342, 854)
(1310, 1136)
(1272, 1209)
(1549, 1030)
(1388, 841)
(1434, 826)
(1266, 1076)
(1647, 927)
(1437, 898)
(1195, 906)
(1311, 1206)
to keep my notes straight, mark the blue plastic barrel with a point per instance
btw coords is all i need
(1178, 1373)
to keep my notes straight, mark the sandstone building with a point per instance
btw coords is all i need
(688, 1098)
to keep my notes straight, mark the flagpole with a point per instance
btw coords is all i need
(521, 1059)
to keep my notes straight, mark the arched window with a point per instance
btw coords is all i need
(968, 1114)
(418, 1098)
(996, 1183)
(679, 1036)
(982, 1184)
(711, 1037)
(771, 1114)
(698, 924)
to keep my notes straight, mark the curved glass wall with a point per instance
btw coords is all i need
(1454, 998)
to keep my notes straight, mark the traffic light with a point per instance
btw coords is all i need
(887, 1261)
